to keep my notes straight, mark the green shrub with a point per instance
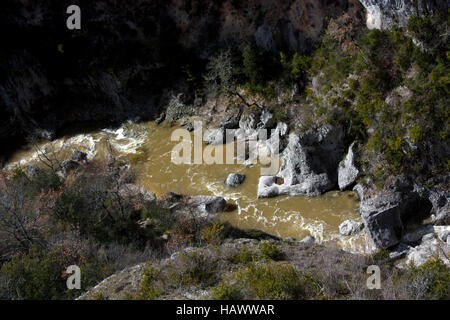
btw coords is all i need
(300, 64)
(271, 251)
(36, 275)
(93, 204)
(380, 256)
(244, 256)
(436, 277)
(148, 290)
(416, 134)
(270, 281)
(213, 234)
(44, 180)
(193, 269)
(40, 273)
(251, 66)
(353, 84)
(225, 291)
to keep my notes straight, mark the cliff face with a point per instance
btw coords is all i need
(272, 25)
(383, 14)
(128, 54)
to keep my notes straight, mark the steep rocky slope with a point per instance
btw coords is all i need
(51, 77)
(128, 55)
(383, 14)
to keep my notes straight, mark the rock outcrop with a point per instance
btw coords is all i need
(383, 14)
(359, 189)
(440, 199)
(120, 65)
(235, 180)
(387, 213)
(347, 172)
(350, 227)
(430, 246)
(423, 243)
(309, 164)
(266, 121)
(303, 255)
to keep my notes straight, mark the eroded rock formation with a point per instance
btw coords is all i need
(383, 14)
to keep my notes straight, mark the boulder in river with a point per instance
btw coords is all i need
(190, 127)
(350, 227)
(235, 179)
(198, 206)
(309, 164)
(204, 206)
(188, 124)
(161, 118)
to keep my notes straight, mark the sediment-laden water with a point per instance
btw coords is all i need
(147, 147)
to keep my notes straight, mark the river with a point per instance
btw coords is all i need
(147, 147)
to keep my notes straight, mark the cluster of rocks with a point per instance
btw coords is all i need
(313, 163)
(388, 213)
(195, 206)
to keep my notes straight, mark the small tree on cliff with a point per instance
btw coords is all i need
(220, 74)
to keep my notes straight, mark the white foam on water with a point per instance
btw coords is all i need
(129, 138)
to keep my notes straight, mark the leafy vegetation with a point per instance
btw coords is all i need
(271, 251)
(270, 281)
(431, 280)
(387, 91)
(93, 218)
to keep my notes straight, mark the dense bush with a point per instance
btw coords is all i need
(148, 290)
(243, 256)
(373, 64)
(193, 269)
(40, 273)
(89, 218)
(271, 252)
(270, 281)
(431, 280)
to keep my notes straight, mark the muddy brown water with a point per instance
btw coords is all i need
(147, 147)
